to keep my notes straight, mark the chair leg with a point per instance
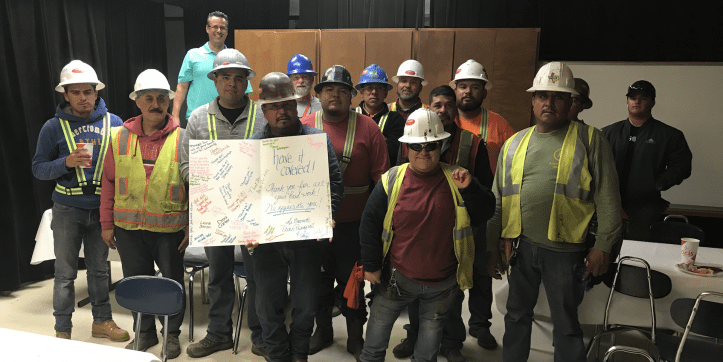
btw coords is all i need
(191, 275)
(239, 319)
(138, 330)
(204, 288)
(164, 352)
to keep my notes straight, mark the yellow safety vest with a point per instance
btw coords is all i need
(463, 234)
(79, 173)
(158, 204)
(250, 121)
(382, 121)
(348, 148)
(572, 205)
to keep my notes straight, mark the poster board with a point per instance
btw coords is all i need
(268, 190)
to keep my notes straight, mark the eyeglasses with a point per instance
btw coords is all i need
(216, 27)
(418, 147)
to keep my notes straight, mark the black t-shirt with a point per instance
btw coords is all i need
(231, 114)
(628, 161)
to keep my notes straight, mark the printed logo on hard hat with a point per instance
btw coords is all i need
(370, 72)
(225, 63)
(76, 70)
(410, 72)
(410, 122)
(553, 77)
(459, 70)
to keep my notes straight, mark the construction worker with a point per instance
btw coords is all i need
(581, 101)
(650, 157)
(410, 81)
(470, 84)
(300, 260)
(551, 178)
(302, 74)
(232, 115)
(414, 212)
(80, 122)
(466, 150)
(373, 86)
(144, 201)
(192, 80)
(362, 154)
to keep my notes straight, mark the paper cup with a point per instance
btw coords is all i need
(688, 250)
(86, 147)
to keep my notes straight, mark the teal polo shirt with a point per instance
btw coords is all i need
(196, 65)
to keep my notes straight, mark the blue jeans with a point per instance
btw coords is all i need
(274, 263)
(564, 295)
(221, 291)
(72, 227)
(434, 304)
(140, 251)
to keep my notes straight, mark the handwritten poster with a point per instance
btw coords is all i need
(269, 190)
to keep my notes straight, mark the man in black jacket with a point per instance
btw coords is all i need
(650, 157)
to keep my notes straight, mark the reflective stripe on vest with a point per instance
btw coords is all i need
(484, 120)
(159, 203)
(348, 140)
(382, 121)
(393, 106)
(572, 206)
(463, 235)
(465, 144)
(250, 122)
(79, 173)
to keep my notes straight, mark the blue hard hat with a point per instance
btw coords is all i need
(299, 63)
(373, 74)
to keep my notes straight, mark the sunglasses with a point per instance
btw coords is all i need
(418, 147)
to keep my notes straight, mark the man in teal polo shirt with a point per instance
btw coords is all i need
(192, 79)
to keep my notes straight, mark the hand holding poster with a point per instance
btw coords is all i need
(269, 190)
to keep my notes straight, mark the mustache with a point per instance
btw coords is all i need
(156, 110)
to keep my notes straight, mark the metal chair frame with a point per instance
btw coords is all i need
(628, 350)
(191, 268)
(166, 299)
(689, 325)
(238, 273)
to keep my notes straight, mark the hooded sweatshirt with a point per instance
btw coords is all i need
(51, 151)
(149, 146)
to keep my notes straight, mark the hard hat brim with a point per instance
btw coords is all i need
(320, 85)
(361, 85)
(302, 72)
(553, 89)
(410, 139)
(171, 94)
(60, 88)
(269, 101)
(488, 84)
(212, 74)
(396, 78)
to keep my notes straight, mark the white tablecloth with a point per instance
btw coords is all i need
(45, 245)
(30, 347)
(635, 311)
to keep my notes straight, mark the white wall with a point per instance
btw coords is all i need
(689, 97)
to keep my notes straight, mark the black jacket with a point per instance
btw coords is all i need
(661, 159)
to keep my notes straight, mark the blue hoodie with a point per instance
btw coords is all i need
(50, 154)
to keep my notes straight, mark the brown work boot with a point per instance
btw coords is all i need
(63, 335)
(355, 339)
(324, 334)
(110, 330)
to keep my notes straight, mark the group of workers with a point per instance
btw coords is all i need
(428, 200)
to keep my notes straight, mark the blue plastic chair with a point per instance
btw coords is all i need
(239, 271)
(158, 296)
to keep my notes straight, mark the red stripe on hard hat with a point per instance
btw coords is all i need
(77, 71)
(410, 122)
(225, 63)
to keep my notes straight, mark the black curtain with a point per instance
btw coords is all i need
(37, 38)
(581, 30)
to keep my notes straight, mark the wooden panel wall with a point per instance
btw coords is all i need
(508, 55)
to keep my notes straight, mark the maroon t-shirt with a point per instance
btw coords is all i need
(423, 221)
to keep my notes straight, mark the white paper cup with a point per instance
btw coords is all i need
(86, 147)
(688, 250)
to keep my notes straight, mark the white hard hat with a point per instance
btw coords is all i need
(410, 68)
(151, 79)
(423, 125)
(471, 69)
(555, 77)
(77, 72)
(230, 58)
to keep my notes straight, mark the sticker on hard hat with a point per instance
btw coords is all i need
(554, 78)
(366, 71)
(459, 70)
(410, 72)
(410, 122)
(225, 63)
(76, 70)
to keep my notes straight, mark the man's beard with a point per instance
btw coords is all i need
(466, 107)
(407, 96)
(302, 90)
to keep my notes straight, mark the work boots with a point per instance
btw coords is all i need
(324, 334)
(355, 339)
